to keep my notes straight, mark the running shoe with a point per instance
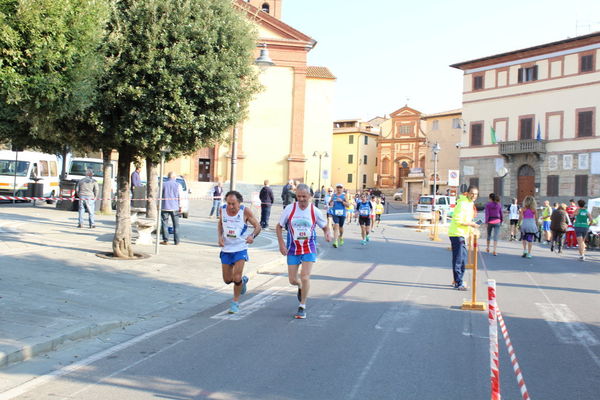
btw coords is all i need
(367, 238)
(341, 241)
(299, 295)
(363, 242)
(234, 307)
(244, 284)
(462, 288)
(301, 314)
(528, 255)
(335, 244)
(552, 247)
(524, 255)
(581, 258)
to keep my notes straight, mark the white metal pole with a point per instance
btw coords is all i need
(160, 195)
(233, 158)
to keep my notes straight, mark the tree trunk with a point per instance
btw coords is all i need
(122, 240)
(151, 189)
(105, 205)
(64, 154)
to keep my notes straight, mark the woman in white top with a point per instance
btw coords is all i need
(234, 238)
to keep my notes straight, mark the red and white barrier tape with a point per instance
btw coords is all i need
(493, 330)
(513, 356)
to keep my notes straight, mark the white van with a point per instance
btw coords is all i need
(27, 167)
(78, 167)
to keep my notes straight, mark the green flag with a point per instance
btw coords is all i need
(493, 135)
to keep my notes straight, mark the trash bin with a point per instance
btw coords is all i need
(139, 192)
(66, 189)
(35, 189)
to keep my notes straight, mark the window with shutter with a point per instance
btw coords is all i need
(478, 82)
(581, 185)
(350, 158)
(476, 134)
(349, 178)
(585, 121)
(552, 185)
(350, 139)
(365, 160)
(526, 128)
(586, 63)
(528, 74)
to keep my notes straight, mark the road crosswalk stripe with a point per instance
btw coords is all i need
(565, 324)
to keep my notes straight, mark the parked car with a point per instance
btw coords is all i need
(425, 206)
(76, 171)
(399, 195)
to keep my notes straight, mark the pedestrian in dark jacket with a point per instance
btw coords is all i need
(559, 222)
(287, 195)
(266, 202)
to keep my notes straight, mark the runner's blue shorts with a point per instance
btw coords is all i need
(545, 225)
(298, 259)
(232, 258)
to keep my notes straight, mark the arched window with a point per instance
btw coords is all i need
(266, 7)
(385, 166)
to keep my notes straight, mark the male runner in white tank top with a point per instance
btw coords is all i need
(234, 238)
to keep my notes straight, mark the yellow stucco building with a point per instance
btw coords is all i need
(354, 160)
(288, 120)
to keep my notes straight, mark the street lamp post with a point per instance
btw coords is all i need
(320, 154)
(262, 62)
(436, 149)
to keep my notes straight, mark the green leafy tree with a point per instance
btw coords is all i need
(178, 74)
(49, 64)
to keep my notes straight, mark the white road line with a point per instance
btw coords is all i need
(591, 353)
(565, 324)
(399, 317)
(386, 333)
(30, 385)
(254, 304)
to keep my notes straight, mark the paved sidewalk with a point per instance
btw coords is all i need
(54, 289)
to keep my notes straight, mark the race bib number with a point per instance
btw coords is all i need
(301, 234)
(339, 213)
(365, 212)
(231, 232)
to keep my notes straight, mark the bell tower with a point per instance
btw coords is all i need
(271, 7)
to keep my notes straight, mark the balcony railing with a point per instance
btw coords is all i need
(522, 146)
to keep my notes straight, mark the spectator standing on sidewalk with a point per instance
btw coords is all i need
(136, 180)
(559, 222)
(461, 227)
(493, 219)
(319, 196)
(217, 196)
(171, 206)
(287, 194)
(266, 202)
(87, 191)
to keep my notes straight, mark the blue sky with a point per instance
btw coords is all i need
(385, 51)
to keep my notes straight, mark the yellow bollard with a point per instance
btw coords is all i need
(420, 226)
(469, 264)
(435, 227)
(474, 304)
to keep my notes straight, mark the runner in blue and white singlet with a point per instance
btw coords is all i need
(234, 238)
(338, 204)
(364, 209)
(301, 220)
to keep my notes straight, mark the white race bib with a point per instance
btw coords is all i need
(365, 212)
(338, 212)
(231, 231)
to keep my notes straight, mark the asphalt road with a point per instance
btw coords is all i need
(383, 323)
